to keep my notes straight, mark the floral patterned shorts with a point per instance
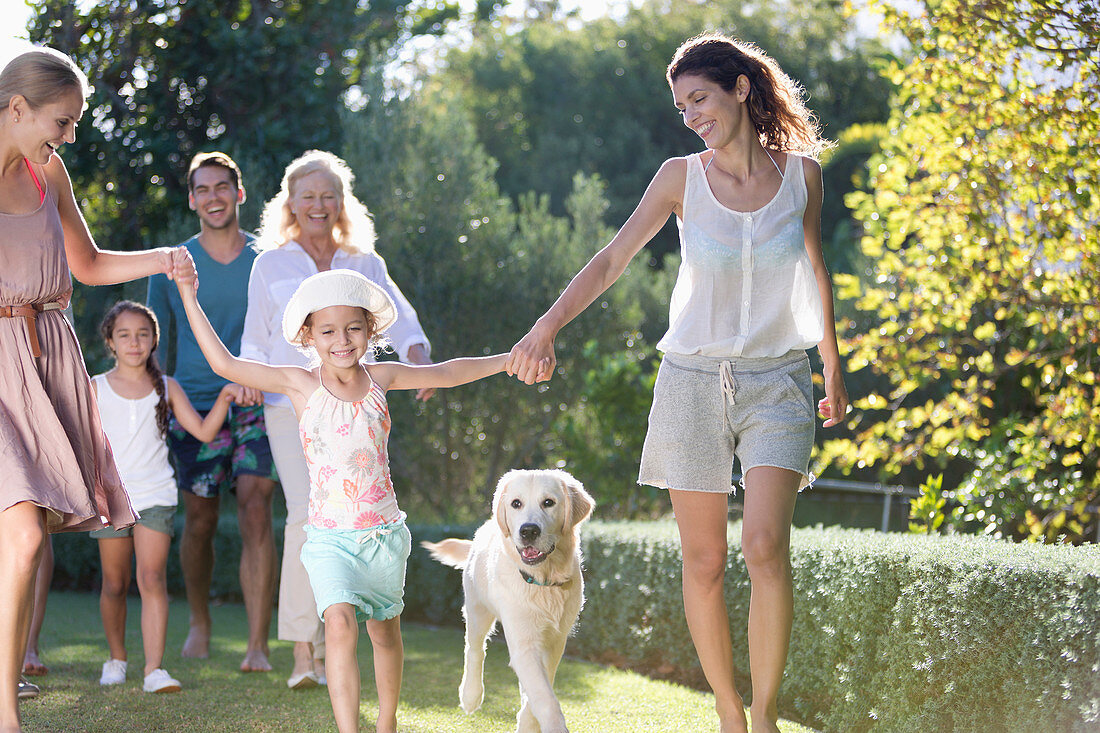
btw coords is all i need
(207, 469)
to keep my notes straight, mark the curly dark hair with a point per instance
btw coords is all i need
(775, 102)
(106, 330)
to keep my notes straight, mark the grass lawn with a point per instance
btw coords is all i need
(216, 697)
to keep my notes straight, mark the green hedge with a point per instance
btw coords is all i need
(76, 558)
(893, 632)
(433, 592)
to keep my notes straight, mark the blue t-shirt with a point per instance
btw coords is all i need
(223, 295)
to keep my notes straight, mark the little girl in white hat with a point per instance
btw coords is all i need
(357, 542)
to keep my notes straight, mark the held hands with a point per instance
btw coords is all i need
(532, 358)
(182, 269)
(835, 404)
(242, 395)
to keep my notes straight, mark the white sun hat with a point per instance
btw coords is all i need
(337, 287)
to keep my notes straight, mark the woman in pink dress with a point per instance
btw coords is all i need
(58, 471)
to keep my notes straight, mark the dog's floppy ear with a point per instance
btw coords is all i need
(581, 502)
(500, 511)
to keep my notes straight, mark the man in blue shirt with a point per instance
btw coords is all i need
(239, 458)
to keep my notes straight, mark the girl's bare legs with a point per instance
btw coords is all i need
(22, 535)
(342, 666)
(702, 519)
(114, 556)
(770, 495)
(389, 661)
(151, 548)
(32, 662)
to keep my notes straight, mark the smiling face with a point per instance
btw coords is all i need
(315, 200)
(716, 115)
(341, 334)
(41, 131)
(215, 197)
(132, 339)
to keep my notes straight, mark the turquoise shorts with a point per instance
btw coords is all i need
(363, 567)
(157, 518)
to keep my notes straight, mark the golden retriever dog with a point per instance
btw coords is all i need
(523, 568)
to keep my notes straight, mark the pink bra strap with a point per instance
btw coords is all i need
(41, 191)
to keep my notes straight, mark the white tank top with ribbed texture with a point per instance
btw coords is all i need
(746, 287)
(141, 452)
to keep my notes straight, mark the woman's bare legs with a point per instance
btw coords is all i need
(389, 661)
(702, 520)
(115, 554)
(151, 548)
(770, 495)
(22, 535)
(342, 666)
(32, 661)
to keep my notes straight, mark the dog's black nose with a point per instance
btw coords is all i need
(529, 532)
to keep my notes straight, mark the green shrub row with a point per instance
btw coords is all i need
(76, 560)
(891, 632)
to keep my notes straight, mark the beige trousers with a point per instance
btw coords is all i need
(298, 620)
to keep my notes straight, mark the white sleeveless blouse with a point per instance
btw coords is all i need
(141, 452)
(746, 287)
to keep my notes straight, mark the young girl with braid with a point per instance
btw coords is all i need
(134, 400)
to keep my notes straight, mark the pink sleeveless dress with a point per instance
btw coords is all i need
(53, 452)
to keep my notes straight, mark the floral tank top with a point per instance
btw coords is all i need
(345, 445)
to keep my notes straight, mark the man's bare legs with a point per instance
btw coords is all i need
(702, 520)
(258, 566)
(770, 495)
(197, 559)
(22, 535)
(32, 661)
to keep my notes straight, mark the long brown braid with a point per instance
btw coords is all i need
(106, 329)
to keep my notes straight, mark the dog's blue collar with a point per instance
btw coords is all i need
(530, 580)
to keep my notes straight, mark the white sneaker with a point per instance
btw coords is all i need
(114, 672)
(160, 681)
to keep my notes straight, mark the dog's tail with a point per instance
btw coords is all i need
(451, 551)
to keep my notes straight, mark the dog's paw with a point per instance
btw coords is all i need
(470, 695)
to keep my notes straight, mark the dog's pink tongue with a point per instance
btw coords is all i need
(530, 552)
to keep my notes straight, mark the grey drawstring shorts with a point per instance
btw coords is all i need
(707, 410)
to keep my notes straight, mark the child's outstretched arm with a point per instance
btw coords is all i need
(204, 429)
(282, 379)
(452, 373)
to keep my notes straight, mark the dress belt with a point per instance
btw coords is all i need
(28, 313)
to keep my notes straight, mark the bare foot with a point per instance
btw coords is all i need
(197, 645)
(32, 665)
(255, 660)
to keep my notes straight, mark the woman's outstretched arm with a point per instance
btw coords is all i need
(532, 358)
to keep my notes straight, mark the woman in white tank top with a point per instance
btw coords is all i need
(752, 294)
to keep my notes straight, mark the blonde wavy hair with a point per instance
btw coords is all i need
(354, 229)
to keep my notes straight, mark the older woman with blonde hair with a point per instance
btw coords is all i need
(315, 223)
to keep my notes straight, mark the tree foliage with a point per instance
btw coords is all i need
(480, 270)
(259, 79)
(550, 98)
(982, 224)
